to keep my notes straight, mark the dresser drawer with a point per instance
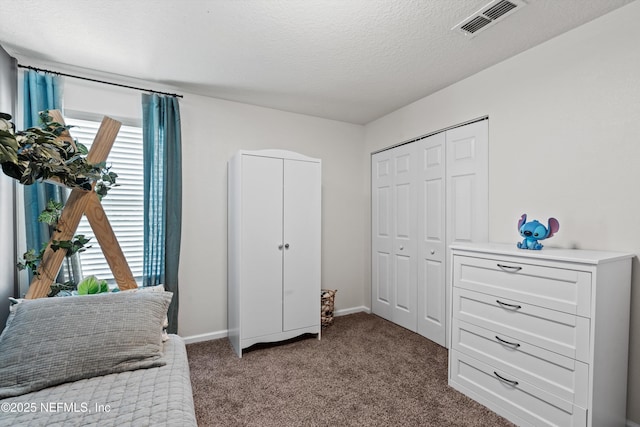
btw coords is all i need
(522, 402)
(542, 284)
(562, 333)
(560, 375)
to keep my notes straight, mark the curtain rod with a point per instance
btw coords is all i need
(98, 81)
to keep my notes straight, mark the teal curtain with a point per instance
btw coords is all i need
(41, 92)
(162, 195)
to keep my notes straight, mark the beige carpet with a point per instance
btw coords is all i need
(364, 372)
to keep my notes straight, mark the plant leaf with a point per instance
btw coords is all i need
(82, 149)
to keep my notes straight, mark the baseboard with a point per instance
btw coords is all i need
(206, 337)
(223, 334)
(352, 310)
(632, 424)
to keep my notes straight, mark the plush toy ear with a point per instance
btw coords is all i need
(554, 226)
(523, 219)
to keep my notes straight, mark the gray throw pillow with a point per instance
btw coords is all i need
(51, 341)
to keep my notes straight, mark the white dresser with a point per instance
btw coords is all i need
(541, 337)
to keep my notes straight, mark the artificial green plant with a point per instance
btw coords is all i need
(38, 154)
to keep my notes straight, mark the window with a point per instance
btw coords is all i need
(123, 205)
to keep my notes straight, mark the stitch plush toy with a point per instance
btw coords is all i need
(533, 231)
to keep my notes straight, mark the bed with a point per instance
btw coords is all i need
(95, 360)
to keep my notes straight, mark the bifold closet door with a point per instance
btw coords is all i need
(432, 241)
(262, 211)
(301, 250)
(394, 220)
(468, 183)
(453, 206)
(426, 195)
(467, 179)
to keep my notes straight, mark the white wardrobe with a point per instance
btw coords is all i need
(274, 207)
(426, 194)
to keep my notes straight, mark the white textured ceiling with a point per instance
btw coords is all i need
(349, 60)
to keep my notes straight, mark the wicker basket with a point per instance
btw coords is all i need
(327, 299)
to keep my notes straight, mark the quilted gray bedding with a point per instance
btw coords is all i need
(160, 396)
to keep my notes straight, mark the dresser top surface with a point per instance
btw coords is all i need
(546, 253)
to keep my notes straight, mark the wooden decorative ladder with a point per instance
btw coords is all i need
(84, 202)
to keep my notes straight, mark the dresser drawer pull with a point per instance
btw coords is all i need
(509, 268)
(512, 382)
(513, 344)
(511, 306)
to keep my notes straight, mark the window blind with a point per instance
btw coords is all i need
(123, 205)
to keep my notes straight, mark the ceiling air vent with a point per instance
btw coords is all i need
(488, 15)
(499, 9)
(475, 24)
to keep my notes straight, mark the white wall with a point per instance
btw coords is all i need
(213, 130)
(101, 100)
(564, 120)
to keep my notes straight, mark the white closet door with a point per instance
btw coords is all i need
(405, 237)
(425, 196)
(467, 181)
(302, 207)
(394, 236)
(467, 189)
(261, 236)
(382, 234)
(432, 242)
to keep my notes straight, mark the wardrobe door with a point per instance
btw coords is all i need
(432, 242)
(302, 207)
(262, 204)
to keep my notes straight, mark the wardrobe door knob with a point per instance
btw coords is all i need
(286, 246)
(433, 251)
